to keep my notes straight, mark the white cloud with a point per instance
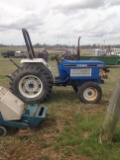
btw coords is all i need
(66, 20)
(78, 4)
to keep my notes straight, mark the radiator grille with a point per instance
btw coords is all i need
(80, 72)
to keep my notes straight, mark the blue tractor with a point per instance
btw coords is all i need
(34, 80)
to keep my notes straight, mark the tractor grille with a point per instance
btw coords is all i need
(80, 72)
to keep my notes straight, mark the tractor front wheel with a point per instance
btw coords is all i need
(90, 92)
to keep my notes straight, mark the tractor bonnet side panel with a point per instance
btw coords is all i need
(81, 69)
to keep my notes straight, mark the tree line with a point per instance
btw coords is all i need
(87, 46)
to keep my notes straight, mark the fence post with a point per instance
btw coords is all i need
(112, 115)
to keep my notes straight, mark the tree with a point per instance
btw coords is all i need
(112, 115)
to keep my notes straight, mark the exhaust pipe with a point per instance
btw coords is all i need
(78, 49)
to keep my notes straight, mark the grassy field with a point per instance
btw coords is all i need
(70, 130)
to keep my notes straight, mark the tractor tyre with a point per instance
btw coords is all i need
(32, 82)
(90, 92)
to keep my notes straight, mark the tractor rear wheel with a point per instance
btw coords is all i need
(90, 92)
(31, 83)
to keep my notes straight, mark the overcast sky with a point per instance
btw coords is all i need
(60, 21)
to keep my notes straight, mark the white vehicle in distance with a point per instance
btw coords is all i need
(20, 54)
(115, 51)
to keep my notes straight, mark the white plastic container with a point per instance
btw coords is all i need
(11, 107)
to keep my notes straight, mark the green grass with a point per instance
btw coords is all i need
(82, 139)
(70, 130)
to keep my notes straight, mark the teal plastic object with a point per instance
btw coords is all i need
(34, 115)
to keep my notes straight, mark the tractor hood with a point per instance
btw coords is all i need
(80, 69)
(83, 63)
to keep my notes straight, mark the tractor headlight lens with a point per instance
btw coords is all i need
(100, 73)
